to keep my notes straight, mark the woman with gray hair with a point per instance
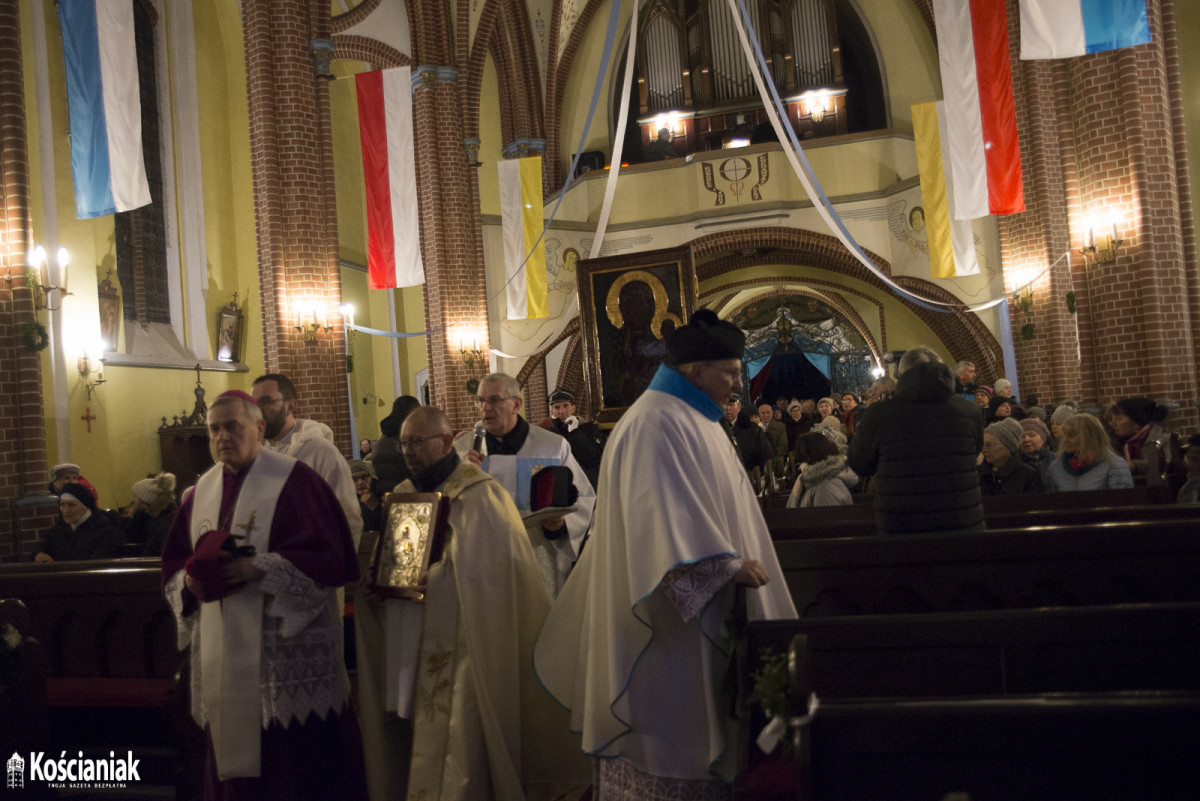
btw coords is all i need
(1086, 460)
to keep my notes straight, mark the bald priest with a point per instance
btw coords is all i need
(251, 566)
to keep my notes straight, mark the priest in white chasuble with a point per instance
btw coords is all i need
(483, 728)
(251, 567)
(636, 644)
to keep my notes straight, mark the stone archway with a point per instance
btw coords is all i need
(962, 333)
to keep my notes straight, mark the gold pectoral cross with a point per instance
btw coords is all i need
(248, 525)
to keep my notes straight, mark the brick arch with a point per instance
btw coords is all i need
(570, 375)
(431, 32)
(572, 329)
(832, 299)
(972, 339)
(964, 335)
(524, 82)
(344, 22)
(372, 51)
(471, 78)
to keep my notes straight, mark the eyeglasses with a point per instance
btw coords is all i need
(494, 400)
(415, 441)
(268, 401)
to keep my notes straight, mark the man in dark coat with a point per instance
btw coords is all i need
(585, 438)
(752, 446)
(921, 446)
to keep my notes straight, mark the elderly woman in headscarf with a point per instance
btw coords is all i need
(1035, 445)
(1086, 459)
(1135, 421)
(85, 533)
(151, 512)
(1003, 472)
(824, 478)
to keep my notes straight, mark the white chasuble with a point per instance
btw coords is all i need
(230, 630)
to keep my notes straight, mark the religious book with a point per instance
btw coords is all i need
(412, 539)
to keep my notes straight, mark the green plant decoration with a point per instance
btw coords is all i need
(1027, 331)
(34, 336)
(771, 689)
(1071, 302)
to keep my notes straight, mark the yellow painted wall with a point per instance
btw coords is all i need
(491, 144)
(122, 445)
(910, 61)
(580, 84)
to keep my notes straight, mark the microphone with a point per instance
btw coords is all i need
(477, 443)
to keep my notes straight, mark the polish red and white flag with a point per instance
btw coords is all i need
(981, 123)
(390, 177)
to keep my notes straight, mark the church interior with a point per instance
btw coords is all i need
(252, 257)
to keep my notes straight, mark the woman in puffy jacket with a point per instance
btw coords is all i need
(824, 478)
(1086, 460)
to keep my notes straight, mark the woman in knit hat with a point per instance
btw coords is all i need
(1061, 414)
(1086, 460)
(999, 407)
(151, 512)
(796, 422)
(1035, 447)
(84, 533)
(1134, 423)
(824, 478)
(1003, 388)
(1002, 471)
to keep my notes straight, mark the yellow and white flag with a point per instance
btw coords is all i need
(522, 223)
(951, 242)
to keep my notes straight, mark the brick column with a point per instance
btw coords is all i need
(23, 437)
(451, 248)
(1103, 134)
(295, 217)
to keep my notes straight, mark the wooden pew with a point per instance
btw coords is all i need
(1100, 563)
(107, 634)
(1091, 702)
(1003, 511)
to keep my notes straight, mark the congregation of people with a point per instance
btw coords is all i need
(541, 636)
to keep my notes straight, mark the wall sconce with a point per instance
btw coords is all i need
(470, 355)
(36, 278)
(311, 319)
(87, 366)
(1102, 249)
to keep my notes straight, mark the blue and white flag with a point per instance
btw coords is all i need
(1069, 28)
(100, 56)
